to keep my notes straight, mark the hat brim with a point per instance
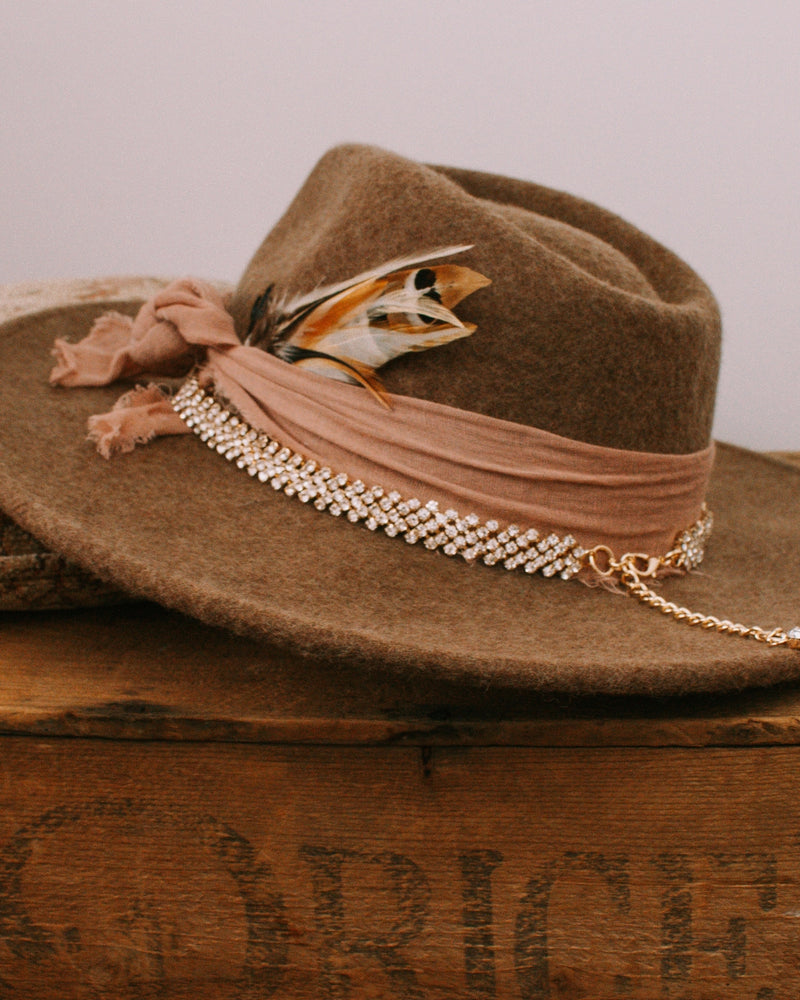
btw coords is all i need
(175, 523)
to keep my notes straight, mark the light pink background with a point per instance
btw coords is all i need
(164, 138)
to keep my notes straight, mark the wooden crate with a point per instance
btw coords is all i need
(185, 816)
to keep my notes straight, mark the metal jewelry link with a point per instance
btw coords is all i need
(634, 566)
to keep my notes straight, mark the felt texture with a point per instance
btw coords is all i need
(590, 329)
(176, 523)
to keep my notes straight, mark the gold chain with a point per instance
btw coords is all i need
(633, 567)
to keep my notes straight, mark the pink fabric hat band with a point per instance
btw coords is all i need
(630, 501)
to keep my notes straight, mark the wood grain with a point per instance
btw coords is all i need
(157, 870)
(139, 672)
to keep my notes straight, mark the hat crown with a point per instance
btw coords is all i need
(590, 329)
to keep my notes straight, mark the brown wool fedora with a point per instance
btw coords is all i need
(539, 332)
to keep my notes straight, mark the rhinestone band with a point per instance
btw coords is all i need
(378, 509)
(511, 546)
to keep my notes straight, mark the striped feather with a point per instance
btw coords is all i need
(348, 330)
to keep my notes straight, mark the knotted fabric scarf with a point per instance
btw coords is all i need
(630, 501)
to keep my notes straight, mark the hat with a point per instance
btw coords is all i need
(500, 391)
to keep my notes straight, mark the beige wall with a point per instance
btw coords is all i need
(164, 137)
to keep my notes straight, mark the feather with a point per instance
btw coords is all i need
(348, 330)
(298, 302)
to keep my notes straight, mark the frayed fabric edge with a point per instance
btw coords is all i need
(139, 416)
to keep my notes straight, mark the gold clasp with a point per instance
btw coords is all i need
(640, 565)
(634, 565)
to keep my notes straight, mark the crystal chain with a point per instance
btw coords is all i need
(633, 567)
(511, 547)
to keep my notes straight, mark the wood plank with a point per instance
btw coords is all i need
(185, 871)
(139, 672)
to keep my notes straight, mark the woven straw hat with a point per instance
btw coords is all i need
(590, 334)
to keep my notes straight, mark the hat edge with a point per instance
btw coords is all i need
(371, 653)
